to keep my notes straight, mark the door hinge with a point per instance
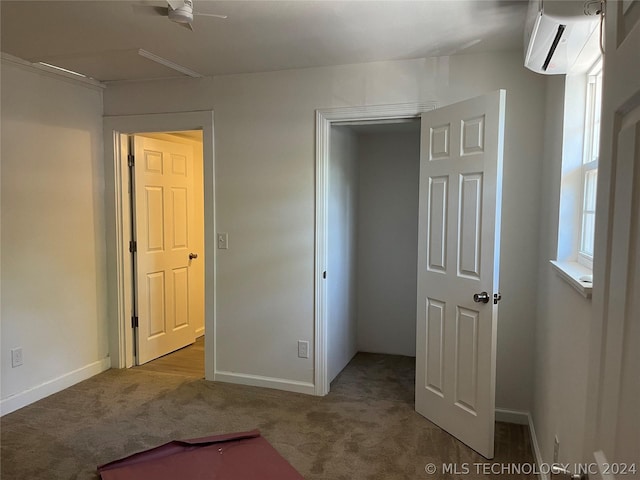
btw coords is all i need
(133, 246)
(134, 322)
(131, 161)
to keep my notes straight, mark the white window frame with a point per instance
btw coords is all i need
(580, 145)
(590, 161)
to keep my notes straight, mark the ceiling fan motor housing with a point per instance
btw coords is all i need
(181, 12)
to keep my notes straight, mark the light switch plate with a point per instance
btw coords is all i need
(303, 349)
(223, 241)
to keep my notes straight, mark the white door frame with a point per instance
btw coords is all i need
(118, 226)
(325, 118)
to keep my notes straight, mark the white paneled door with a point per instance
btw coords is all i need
(164, 206)
(458, 260)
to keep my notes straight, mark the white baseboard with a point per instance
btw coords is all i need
(536, 451)
(267, 382)
(33, 394)
(512, 416)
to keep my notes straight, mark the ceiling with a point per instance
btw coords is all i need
(102, 38)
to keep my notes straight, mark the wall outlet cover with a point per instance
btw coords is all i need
(16, 357)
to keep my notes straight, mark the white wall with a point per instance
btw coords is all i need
(564, 315)
(342, 237)
(53, 234)
(265, 187)
(389, 168)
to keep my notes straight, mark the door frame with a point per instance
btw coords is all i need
(325, 119)
(118, 226)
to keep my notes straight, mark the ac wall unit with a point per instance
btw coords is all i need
(556, 32)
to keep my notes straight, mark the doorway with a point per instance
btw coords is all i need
(119, 271)
(325, 119)
(372, 240)
(168, 252)
(460, 178)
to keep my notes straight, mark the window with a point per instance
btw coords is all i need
(590, 165)
(580, 132)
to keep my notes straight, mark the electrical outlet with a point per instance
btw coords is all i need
(223, 241)
(16, 357)
(556, 449)
(303, 349)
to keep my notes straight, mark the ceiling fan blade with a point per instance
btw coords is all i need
(150, 10)
(210, 15)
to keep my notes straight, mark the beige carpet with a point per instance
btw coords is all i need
(365, 428)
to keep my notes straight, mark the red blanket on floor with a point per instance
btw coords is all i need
(234, 456)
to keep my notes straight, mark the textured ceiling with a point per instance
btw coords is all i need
(101, 38)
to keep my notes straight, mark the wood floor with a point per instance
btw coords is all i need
(188, 361)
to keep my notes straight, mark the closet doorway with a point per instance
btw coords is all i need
(372, 214)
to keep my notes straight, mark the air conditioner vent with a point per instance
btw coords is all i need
(556, 32)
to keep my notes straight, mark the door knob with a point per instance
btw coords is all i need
(192, 256)
(481, 297)
(566, 473)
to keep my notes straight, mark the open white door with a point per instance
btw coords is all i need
(458, 257)
(164, 216)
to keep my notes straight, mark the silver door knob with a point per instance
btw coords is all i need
(192, 256)
(566, 473)
(481, 297)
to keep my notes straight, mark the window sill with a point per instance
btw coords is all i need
(572, 272)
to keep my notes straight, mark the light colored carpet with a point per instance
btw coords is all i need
(365, 428)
